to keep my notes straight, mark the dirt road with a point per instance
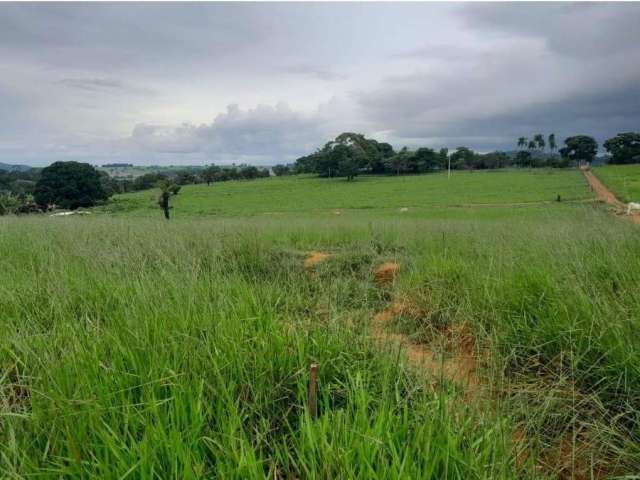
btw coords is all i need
(602, 192)
(607, 196)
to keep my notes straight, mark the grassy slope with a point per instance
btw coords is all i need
(623, 180)
(309, 195)
(180, 349)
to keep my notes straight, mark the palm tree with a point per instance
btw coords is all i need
(532, 145)
(552, 142)
(522, 142)
(539, 139)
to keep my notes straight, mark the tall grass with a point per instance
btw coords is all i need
(181, 349)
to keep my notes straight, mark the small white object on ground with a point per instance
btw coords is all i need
(633, 207)
(64, 214)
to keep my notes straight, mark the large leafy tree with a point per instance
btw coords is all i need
(400, 161)
(424, 160)
(347, 155)
(70, 185)
(463, 157)
(579, 148)
(624, 148)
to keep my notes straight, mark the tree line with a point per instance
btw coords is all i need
(72, 185)
(351, 154)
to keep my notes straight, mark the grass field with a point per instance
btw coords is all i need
(623, 180)
(309, 195)
(133, 347)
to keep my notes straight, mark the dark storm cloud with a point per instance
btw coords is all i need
(544, 68)
(576, 29)
(131, 35)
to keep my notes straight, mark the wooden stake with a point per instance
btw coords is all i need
(313, 385)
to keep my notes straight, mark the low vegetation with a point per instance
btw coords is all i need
(182, 349)
(376, 195)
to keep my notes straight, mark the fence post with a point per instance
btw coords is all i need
(313, 385)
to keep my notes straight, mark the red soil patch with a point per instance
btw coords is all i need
(573, 459)
(519, 440)
(314, 258)
(386, 273)
(457, 362)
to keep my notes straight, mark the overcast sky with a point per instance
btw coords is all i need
(267, 83)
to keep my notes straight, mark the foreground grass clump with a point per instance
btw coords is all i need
(181, 352)
(623, 180)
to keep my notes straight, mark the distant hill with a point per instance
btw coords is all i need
(14, 168)
(123, 170)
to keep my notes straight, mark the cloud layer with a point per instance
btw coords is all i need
(266, 83)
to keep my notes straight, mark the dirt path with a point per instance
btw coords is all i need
(454, 360)
(602, 192)
(607, 196)
(454, 357)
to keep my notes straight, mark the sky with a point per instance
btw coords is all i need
(265, 83)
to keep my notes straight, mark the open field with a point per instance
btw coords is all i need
(623, 180)
(133, 347)
(310, 195)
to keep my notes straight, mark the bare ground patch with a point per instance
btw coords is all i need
(314, 258)
(386, 273)
(454, 360)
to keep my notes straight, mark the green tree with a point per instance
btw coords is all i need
(523, 142)
(538, 138)
(552, 142)
(624, 148)
(167, 189)
(147, 181)
(348, 167)
(443, 158)
(523, 159)
(424, 160)
(579, 148)
(398, 163)
(462, 158)
(209, 174)
(70, 185)
(281, 170)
